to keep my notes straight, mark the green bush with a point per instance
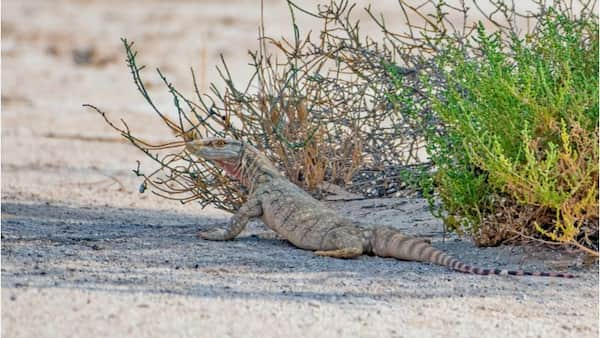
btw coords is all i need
(513, 133)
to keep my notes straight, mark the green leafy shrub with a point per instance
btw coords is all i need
(516, 140)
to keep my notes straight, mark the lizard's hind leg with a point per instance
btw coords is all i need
(341, 253)
(347, 244)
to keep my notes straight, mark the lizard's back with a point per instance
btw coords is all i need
(304, 221)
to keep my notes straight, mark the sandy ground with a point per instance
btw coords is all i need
(84, 254)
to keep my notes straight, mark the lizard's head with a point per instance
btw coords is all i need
(229, 154)
(216, 149)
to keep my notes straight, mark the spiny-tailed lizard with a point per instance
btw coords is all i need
(308, 223)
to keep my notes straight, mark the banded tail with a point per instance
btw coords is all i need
(391, 243)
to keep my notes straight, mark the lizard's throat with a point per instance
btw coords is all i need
(233, 169)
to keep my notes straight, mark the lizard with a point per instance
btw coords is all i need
(308, 223)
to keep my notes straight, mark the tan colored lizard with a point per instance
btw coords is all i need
(308, 223)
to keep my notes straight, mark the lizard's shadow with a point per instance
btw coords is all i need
(133, 250)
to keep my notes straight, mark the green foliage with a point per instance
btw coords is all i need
(517, 119)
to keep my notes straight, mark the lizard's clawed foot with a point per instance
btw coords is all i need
(341, 253)
(216, 234)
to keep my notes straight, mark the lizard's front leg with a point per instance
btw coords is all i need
(237, 223)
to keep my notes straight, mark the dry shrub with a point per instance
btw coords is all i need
(318, 108)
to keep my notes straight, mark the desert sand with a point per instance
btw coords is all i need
(85, 254)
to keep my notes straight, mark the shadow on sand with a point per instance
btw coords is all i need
(149, 251)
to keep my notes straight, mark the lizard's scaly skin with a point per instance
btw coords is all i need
(308, 223)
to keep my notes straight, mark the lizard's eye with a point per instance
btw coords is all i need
(218, 143)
